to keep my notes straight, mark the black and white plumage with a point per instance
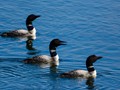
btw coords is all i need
(31, 31)
(91, 72)
(53, 59)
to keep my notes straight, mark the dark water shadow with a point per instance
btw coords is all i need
(29, 46)
(90, 83)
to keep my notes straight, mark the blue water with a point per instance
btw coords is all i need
(88, 26)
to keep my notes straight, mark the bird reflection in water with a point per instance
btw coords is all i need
(48, 65)
(29, 46)
(90, 83)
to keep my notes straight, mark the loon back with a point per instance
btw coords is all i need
(79, 74)
(38, 59)
(14, 33)
(43, 59)
(19, 33)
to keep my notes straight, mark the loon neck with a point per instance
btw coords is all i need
(54, 56)
(90, 67)
(53, 52)
(29, 25)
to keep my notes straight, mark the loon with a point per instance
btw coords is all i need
(53, 59)
(21, 32)
(90, 73)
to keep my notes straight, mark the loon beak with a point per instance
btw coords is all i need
(38, 16)
(99, 57)
(63, 43)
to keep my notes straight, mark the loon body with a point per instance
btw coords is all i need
(91, 72)
(53, 59)
(31, 31)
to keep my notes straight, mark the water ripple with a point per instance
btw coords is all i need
(89, 27)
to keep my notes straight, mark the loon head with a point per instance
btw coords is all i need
(57, 42)
(32, 17)
(90, 60)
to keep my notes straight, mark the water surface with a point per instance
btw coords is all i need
(89, 27)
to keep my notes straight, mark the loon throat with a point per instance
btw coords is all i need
(30, 27)
(90, 68)
(53, 52)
